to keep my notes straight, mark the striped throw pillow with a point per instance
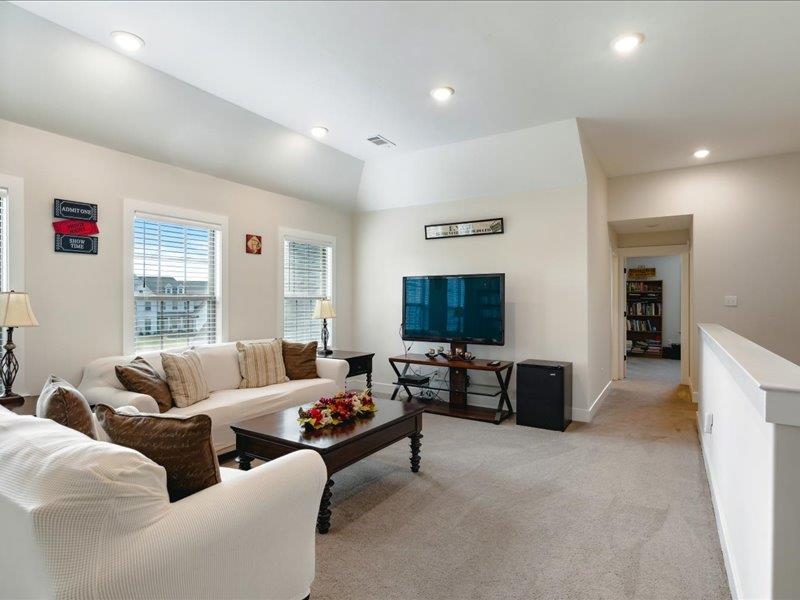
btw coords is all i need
(261, 363)
(185, 377)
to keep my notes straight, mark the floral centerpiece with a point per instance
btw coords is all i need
(344, 407)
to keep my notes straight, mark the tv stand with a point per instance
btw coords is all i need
(457, 386)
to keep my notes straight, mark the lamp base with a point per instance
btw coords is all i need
(12, 400)
(326, 352)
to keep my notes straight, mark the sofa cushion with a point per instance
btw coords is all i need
(226, 407)
(60, 480)
(300, 360)
(61, 402)
(185, 376)
(182, 445)
(221, 366)
(261, 363)
(139, 376)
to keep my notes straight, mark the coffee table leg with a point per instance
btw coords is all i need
(244, 462)
(416, 444)
(324, 516)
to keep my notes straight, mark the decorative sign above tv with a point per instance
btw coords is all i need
(69, 209)
(464, 229)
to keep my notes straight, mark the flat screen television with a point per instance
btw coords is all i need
(455, 308)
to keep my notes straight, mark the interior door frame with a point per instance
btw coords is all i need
(684, 251)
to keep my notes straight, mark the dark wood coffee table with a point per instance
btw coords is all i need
(272, 436)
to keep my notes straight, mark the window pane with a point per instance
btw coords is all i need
(175, 291)
(307, 277)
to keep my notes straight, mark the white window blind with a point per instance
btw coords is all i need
(307, 277)
(4, 226)
(176, 289)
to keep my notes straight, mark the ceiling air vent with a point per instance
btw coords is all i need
(379, 140)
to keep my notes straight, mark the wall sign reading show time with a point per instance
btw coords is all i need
(464, 229)
(76, 228)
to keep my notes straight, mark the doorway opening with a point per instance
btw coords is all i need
(653, 318)
(651, 284)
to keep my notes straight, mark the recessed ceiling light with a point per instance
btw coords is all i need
(127, 41)
(627, 43)
(318, 131)
(701, 153)
(442, 94)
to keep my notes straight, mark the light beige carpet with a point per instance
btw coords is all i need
(619, 508)
(662, 369)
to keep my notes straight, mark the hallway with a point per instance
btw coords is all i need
(653, 369)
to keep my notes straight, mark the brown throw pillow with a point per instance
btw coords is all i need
(185, 377)
(64, 404)
(182, 445)
(139, 376)
(300, 360)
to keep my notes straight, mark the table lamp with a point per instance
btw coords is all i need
(323, 309)
(15, 311)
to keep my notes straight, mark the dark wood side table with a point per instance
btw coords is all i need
(360, 363)
(26, 407)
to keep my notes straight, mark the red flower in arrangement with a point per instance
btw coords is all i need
(341, 408)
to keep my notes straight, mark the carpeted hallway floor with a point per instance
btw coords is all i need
(618, 508)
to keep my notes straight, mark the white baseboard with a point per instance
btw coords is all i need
(586, 415)
(720, 520)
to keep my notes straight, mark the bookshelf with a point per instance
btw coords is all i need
(644, 317)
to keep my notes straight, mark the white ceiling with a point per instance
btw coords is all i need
(717, 74)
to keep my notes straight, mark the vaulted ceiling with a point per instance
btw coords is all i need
(721, 75)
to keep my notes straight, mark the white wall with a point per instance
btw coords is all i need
(543, 157)
(599, 277)
(744, 240)
(78, 299)
(752, 397)
(542, 253)
(668, 269)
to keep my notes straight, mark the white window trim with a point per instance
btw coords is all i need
(167, 212)
(285, 233)
(16, 267)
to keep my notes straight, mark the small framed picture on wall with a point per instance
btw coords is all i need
(252, 243)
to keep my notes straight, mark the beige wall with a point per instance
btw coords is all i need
(78, 299)
(543, 254)
(598, 275)
(653, 238)
(745, 240)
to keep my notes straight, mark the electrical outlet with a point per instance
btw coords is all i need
(708, 424)
(731, 301)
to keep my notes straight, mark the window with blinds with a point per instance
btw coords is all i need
(176, 290)
(4, 239)
(307, 277)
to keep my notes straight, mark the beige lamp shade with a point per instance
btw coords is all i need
(323, 309)
(16, 311)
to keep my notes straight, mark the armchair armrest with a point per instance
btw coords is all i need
(333, 368)
(247, 537)
(116, 398)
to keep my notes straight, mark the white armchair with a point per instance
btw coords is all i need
(87, 519)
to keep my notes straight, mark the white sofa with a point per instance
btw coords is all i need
(87, 519)
(227, 404)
